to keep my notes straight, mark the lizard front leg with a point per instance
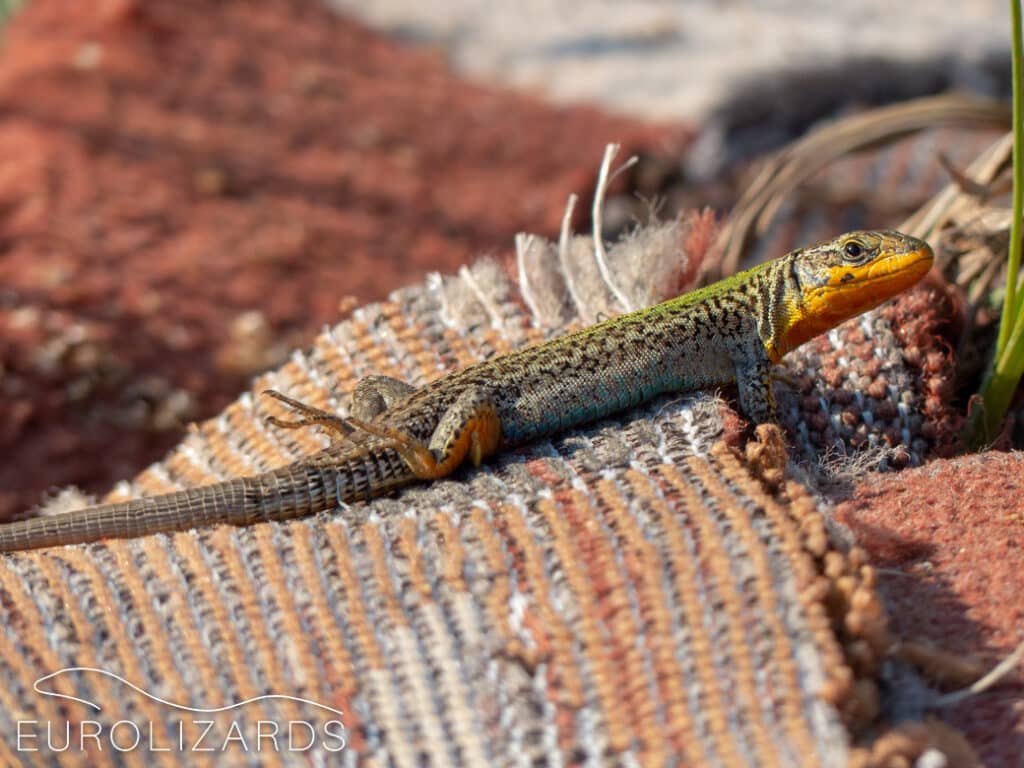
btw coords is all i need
(470, 428)
(754, 382)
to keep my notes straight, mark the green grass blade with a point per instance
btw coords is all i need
(1011, 306)
(1004, 374)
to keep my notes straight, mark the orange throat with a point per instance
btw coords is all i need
(849, 292)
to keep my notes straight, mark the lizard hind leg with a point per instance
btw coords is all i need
(469, 428)
(312, 417)
(372, 396)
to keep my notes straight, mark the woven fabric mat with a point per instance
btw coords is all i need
(629, 593)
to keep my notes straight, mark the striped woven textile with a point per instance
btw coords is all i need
(632, 593)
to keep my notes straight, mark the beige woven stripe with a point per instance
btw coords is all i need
(455, 707)
(592, 647)
(621, 659)
(149, 482)
(401, 693)
(250, 440)
(538, 654)
(278, 593)
(28, 628)
(624, 626)
(409, 350)
(185, 646)
(11, 694)
(768, 612)
(366, 648)
(423, 719)
(380, 582)
(451, 551)
(103, 607)
(451, 592)
(493, 559)
(380, 357)
(423, 616)
(691, 592)
(550, 633)
(331, 358)
(735, 669)
(186, 471)
(89, 630)
(167, 653)
(247, 618)
(514, 650)
(7, 753)
(802, 542)
(648, 566)
(439, 650)
(745, 615)
(420, 726)
(328, 650)
(223, 444)
(229, 656)
(382, 697)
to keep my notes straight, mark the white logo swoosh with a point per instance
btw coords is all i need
(203, 710)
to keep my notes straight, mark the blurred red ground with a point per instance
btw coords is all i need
(949, 541)
(189, 190)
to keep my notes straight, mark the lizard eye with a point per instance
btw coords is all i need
(854, 251)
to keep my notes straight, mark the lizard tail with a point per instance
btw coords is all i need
(288, 492)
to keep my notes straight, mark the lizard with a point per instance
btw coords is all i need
(733, 331)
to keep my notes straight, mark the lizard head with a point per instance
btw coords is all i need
(842, 278)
